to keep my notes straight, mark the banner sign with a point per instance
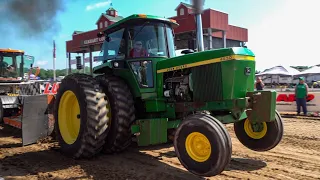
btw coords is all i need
(94, 40)
(49, 88)
(286, 102)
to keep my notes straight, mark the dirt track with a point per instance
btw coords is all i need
(297, 157)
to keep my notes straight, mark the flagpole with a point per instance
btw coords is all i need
(54, 61)
(67, 60)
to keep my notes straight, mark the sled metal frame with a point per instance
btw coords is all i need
(36, 120)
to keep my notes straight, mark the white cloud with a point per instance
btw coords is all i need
(41, 63)
(97, 5)
(287, 36)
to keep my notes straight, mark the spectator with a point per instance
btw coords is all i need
(259, 84)
(301, 93)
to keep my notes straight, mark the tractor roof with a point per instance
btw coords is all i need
(135, 17)
(11, 51)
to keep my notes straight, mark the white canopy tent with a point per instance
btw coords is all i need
(311, 71)
(278, 74)
(280, 70)
(311, 74)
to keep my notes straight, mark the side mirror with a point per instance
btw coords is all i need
(187, 51)
(100, 34)
(108, 39)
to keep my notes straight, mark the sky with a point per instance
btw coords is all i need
(281, 32)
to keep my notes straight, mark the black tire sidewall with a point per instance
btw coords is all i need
(270, 140)
(114, 123)
(122, 113)
(70, 84)
(1, 111)
(217, 146)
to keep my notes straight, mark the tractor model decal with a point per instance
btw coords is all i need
(210, 61)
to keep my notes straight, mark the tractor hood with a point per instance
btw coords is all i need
(203, 58)
(216, 75)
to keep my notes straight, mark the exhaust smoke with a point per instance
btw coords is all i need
(30, 18)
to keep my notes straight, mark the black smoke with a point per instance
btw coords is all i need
(30, 18)
(198, 6)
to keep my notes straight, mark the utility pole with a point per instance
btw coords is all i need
(54, 61)
(67, 60)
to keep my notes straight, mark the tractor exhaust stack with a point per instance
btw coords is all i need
(198, 8)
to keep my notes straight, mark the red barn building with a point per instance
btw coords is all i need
(216, 31)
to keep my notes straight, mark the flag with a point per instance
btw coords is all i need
(54, 49)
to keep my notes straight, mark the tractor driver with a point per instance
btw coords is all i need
(138, 50)
(6, 69)
(139, 67)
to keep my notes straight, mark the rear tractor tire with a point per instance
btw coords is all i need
(267, 136)
(1, 111)
(121, 106)
(203, 145)
(81, 122)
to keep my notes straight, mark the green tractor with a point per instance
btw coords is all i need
(142, 93)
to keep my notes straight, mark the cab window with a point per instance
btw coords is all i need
(147, 40)
(113, 46)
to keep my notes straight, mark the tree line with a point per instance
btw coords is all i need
(48, 73)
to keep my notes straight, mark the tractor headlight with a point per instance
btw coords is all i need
(119, 64)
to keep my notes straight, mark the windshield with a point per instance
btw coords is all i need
(147, 40)
(113, 46)
(170, 40)
(8, 66)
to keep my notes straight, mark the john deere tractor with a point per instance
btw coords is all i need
(143, 93)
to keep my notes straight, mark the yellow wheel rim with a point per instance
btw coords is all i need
(69, 117)
(198, 147)
(252, 134)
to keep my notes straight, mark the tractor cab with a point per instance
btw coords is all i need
(13, 65)
(138, 37)
(137, 44)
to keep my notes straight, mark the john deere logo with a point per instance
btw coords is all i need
(247, 71)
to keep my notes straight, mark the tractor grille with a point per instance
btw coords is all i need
(207, 83)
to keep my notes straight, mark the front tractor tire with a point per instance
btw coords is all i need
(122, 113)
(203, 145)
(81, 122)
(259, 136)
